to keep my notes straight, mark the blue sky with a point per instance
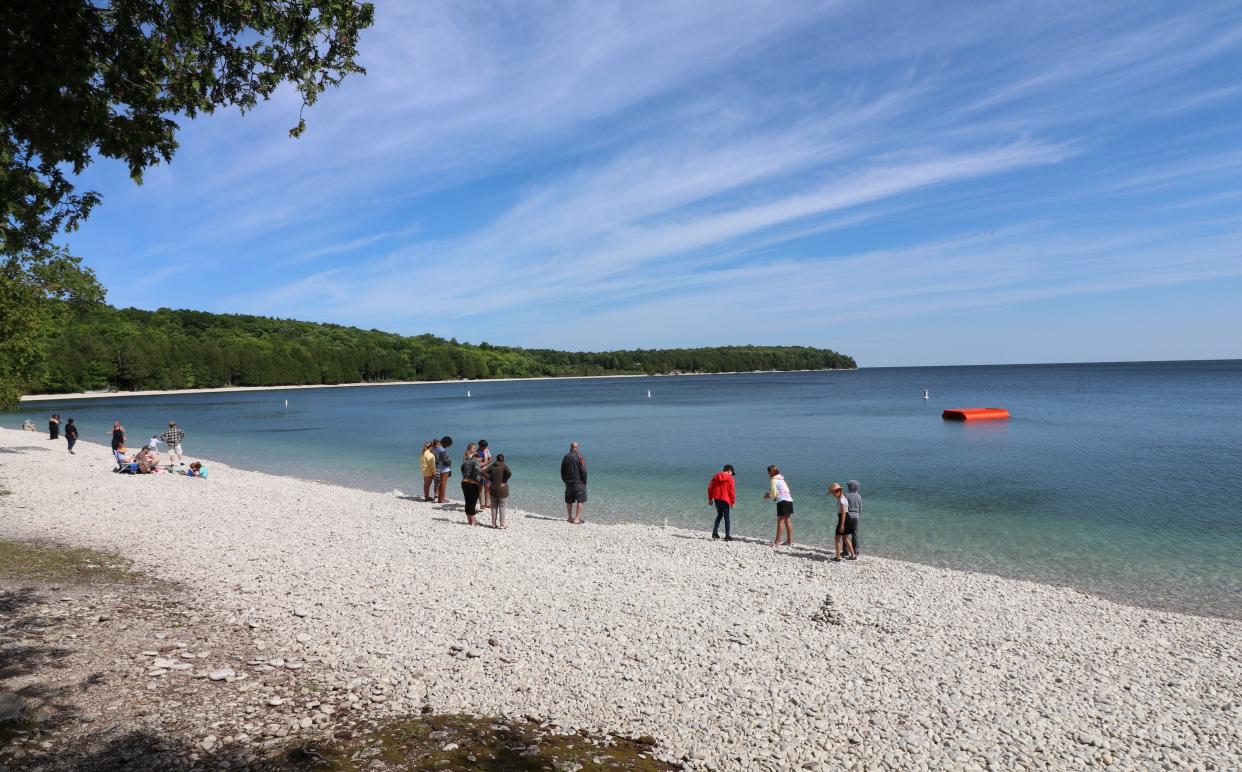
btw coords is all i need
(910, 183)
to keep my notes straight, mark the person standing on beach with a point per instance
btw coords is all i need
(172, 438)
(444, 468)
(485, 460)
(471, 482)
(498, 474)
(71, 434)
(574, 475)
(854, 499)
(722, 493)
(778, 491)
(427, 465)
(53, 427)
(842, 536)
(118, 436)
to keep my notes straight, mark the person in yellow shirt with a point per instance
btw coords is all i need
(427, 465)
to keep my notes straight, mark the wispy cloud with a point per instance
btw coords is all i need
(630, 161)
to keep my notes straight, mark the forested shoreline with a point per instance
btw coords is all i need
(133, 350)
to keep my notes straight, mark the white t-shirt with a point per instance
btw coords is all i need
(843, 503)
(154, 444)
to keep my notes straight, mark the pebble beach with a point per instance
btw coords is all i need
(730, 655)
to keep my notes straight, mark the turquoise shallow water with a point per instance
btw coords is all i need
(1121, 479)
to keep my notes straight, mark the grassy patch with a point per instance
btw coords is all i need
(51, 563)
(466, 742)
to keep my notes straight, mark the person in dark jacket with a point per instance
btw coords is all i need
(498, 474)
(722, 493)
(574, 475)
(444, 468)
(471, 481)
(853, 500)
(53, 427)
(71, 434)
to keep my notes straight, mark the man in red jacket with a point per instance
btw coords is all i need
(720, 491)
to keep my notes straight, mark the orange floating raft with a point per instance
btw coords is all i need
(975, 414)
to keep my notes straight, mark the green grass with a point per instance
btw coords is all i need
(493, 745)
(49, 563)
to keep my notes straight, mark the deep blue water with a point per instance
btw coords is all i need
(1121, 479)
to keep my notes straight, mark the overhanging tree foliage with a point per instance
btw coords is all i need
(88, 79)
(81, 79)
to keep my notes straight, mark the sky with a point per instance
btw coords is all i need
(910, 183)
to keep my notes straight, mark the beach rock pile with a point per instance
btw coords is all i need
(726, 655)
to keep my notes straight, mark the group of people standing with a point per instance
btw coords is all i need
(722, 493)
(484, 478)
(485, 483)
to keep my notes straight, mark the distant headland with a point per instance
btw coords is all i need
(111, 352)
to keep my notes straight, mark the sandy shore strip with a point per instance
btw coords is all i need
(731, 655)
(228, 389)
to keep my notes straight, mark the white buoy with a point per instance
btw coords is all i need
(286, 404)
(467, 393)
(648, 393)
(925, 394)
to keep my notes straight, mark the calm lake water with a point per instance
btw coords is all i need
(1120, 479)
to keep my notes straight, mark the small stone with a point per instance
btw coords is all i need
(221, 674)
(493, 642)
(301, 611)
(450, 747)
(377, 698)
(303, 637)
(208, 743)
(275, 702)
(474, 653)
(293, 665)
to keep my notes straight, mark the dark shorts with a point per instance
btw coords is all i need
(575, 493)
(848, 529)
(784, 508)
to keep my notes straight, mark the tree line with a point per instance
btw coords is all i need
(132, 349)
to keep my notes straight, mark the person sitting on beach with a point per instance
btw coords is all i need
(427, 466)
(574, 475)
(843, 523)
(29, 426)
(471, 477)
(123, 462)
(146, 460)
(498, 474)
(722, 493)
(196, 470)
(444, 467)
(778, 491)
